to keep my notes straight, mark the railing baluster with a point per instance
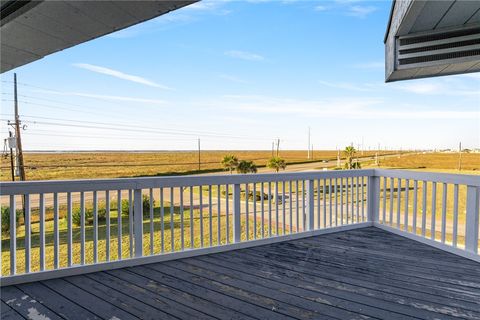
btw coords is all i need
(82, 227)
(424, 208)
(310, 206)
(352, 196)
(227, 214)
(107, 225)
(172, 225)
(455, 215)
(13, 235)
(415, 207)
(341, 201)
(276, 208)
(247, 226)
(219, 225)
(192, 240)
(182, 229)
(444, 212)
(319, 210)
(330, 202)
(210, 238)
(237, 221)
(358, 201)
(297, 206)
(151, 207)
(138, 222)
(471, 223)
(262, 208)
(434, 210)
(399, 201)
(56, 233)
(392, 183)
(130, 221)
(162, 221)
(336, 203)
(254, 211)
(384, 206)
(363, 201)
(69, 228)
(283, 208)
(201, 214)
(95, 227)
(304, 212)
(290, 198)
(405, 219)
(269, 209)
(28, 238)
(324, 203)
(119, 224)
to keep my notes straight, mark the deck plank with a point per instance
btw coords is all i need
(7, 313)
(357, 274)
(54, 301)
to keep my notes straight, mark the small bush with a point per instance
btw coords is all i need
(6, 218)
(145, 205)
(77, 215)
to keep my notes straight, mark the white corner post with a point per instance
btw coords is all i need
(237, 222)
(373, 198)
(138, 222)
(310, 218)
(472, 219)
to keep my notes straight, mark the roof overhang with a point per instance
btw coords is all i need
(31, 30)
(427, 38)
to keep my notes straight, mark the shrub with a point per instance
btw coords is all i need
(6, 218)
(77, 215)
(145, 205)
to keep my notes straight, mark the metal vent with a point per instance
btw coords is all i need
(437, 48)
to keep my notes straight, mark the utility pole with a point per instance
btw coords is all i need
(17, 132)
(460, 157)
(273, 149)
(199, 154)
(308, 152)
(278, 147)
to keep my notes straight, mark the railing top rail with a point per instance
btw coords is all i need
(463, 179)
(52, 186)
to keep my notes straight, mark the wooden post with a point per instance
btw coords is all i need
(237, 222)
(472, 216)
(310, 216)
(373, 198)
(138, 222)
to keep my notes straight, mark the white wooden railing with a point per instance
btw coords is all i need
(191, 215)
(435, 208)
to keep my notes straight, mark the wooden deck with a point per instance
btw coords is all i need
(359, 274)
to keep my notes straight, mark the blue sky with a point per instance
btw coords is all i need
(238, 74)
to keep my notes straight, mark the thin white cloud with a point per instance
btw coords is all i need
(103, 96)
(232, 78)
(120, 75)
(339, 108)
(370, 65)
(320, 8)
(360, 11)
(244, 55)
(437, 88)
(349, 86)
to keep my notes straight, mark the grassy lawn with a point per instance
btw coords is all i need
(125, 239)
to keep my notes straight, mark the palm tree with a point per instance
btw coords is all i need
(276, 163)
(230, 162)
(349, 154)
(245, 166)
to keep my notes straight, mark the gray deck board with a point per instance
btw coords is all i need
(359, 274)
